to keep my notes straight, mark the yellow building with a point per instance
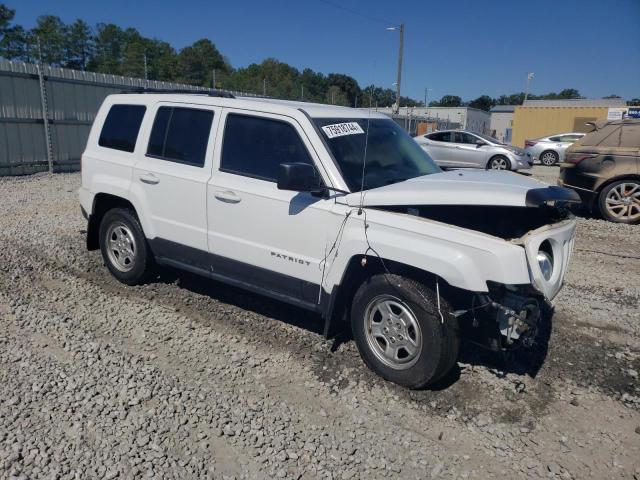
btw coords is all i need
(541, 118)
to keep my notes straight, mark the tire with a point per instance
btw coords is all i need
(499, 162)
(124, 247)
(414, 307)
(549, 158)
(620, 201)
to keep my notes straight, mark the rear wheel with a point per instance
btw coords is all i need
(499, 162)
(124, 246)
(549, 158)
(620, 201)
(400, 333)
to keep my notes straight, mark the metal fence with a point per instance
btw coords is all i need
(420, 124)
(46, 113)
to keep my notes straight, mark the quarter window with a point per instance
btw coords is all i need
(180, 135)
(255, 147)
(121, 127)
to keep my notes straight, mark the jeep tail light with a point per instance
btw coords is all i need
(529, 143)
(576, 158)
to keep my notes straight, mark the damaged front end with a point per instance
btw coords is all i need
(505, 318)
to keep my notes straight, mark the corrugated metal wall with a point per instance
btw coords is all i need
(72, 99)
(536, 122)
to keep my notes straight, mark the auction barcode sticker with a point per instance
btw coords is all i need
(341, 129)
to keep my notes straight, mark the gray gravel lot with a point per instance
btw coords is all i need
(187, 378)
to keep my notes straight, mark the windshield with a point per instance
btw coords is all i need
(392, 155)
(489, 139)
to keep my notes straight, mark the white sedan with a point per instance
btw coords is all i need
(550, 150)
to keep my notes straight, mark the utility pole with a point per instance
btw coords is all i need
(302, 93)
(146, 75)
(264, 87)
(396, 107)
(530, 76)
(214, 78)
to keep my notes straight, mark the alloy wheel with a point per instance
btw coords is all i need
(393, 332)
(548, 158)
(499, 163)
(623, 201)
(121, 246)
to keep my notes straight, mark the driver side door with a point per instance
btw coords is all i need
(268, 240)
(467, 153)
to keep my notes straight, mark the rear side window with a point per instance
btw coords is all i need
(440, 136)
(180, 135)
(255, 147)
(630, 137)
(597, 137)
(121, 127)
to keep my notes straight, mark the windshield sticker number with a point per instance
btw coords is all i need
(342, 129)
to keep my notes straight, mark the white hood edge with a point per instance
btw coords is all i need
(462, 187)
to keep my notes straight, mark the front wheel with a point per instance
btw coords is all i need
(401, 333)
(499, 162)
(620, 201)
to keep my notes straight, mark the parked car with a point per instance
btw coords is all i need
(332, 209)
(459, 148)
(550, 150)
(604, 168)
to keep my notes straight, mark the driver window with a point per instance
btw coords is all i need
(469, 139)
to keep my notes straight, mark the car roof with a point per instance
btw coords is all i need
(314, 110)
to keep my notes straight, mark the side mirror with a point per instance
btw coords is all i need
(298, 177)
(479, 143)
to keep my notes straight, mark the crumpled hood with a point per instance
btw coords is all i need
(463, 187)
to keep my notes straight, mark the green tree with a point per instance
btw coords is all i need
(197, 61)
(448, 101)
(109, 41)
(161, 60)
(6, 17)
(133, 53)
(483, 102)
(79, 45)
(14, 40)
(50, 32)
(635, 102)
(347, 85)
(569, 93)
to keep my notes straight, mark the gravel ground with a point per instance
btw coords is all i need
(187, 378)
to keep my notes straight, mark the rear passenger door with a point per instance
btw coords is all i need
(440, 148)
(170, 180)
(262, 237)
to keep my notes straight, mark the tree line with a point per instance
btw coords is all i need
(109, 48)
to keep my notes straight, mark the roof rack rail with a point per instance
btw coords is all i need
(208, 91)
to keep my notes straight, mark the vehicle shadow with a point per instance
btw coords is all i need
(240, 298)
(521, 361)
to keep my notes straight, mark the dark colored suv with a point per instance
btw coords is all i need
(604, 168)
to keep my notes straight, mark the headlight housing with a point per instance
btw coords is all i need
(545, 262)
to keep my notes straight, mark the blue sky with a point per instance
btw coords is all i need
(463, 47)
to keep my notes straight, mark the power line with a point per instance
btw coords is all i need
(356, 12)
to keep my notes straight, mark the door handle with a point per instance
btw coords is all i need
(227, 196)
(149, 178)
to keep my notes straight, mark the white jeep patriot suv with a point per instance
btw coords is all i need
(332, 209)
